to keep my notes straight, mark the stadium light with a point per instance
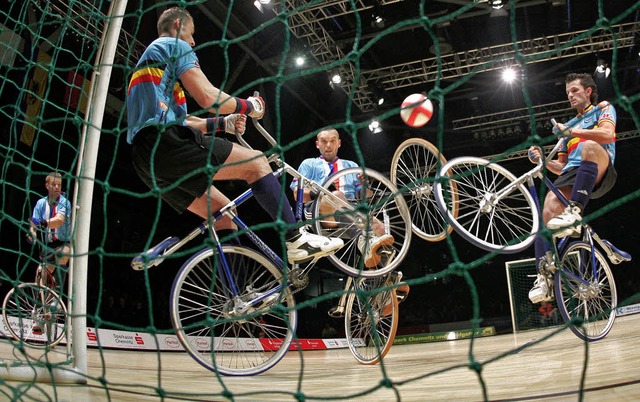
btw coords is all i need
(375, 126)
(509, 75)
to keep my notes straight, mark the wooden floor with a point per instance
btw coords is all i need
(537, 365)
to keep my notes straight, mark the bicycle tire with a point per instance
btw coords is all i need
(386, 204)
(371, 319)
(212, 328)
(594, 306)
(507, 226)
(31, 304)
(414, 166)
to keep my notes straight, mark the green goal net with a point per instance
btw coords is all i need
(64, 72)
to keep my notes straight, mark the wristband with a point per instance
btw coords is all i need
(243, 106)
(215, 124)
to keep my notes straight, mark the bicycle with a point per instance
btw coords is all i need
(232, 307)
(498, 213)
(40, 312)
(414, 166)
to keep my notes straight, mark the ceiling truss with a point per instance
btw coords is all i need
(305, 24)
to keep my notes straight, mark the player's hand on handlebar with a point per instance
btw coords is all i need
(235, 123)
(258, 106)
(561, 130)
(534, 153)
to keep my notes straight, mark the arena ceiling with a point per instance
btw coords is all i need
(459, 45)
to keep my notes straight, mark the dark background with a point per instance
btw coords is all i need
(127, 218)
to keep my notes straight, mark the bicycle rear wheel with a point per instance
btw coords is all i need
(586, 291)
(381, 202)
(505, 224)
(414, 167)
(35, 315)
(371, 319)
(233, 335)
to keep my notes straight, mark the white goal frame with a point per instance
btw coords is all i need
(512, 306)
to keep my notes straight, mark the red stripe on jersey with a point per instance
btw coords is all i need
(573, 144)
(146, 74)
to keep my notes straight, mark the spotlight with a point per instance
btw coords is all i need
(260, 3)
(603, 68)
(300, 61)
(377, 21)
(336, 79)
(378, 94)
(375, 126)
(508, 75)
(497, 4)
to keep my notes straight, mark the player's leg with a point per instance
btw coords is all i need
(542, 290)
(591, 171)
(253, 167)
(370, 246)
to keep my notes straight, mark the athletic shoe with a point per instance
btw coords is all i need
(387, 254)
(369, 246)
(304, 246)
(37, 329)
(336, 312)
(402, 291)
(540, 291)
(568, 221)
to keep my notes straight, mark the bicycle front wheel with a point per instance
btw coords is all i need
(35, 315)
(495, 212)
(380, 207)
(371, 319)
(586, 291)
(240, 324)
(414, 167)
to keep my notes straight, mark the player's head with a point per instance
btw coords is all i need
(587, 83)
(53, 183)
(328, 142)
(178, 22)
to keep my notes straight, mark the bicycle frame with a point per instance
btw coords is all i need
(156, 255)
(615, 255)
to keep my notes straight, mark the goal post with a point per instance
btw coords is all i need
(77, 371)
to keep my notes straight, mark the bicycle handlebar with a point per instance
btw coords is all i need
(261, 130)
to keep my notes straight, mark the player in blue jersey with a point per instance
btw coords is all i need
(171, 151)
(371, 245)
(52, 216)
(347, 187)
(584, 164)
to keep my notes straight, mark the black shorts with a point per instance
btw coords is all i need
(568, 178)
(54, 251)
(184, 162)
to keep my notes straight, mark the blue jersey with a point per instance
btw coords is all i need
(593, 116)
(318, 169)
(155, 94)
(45, 210)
